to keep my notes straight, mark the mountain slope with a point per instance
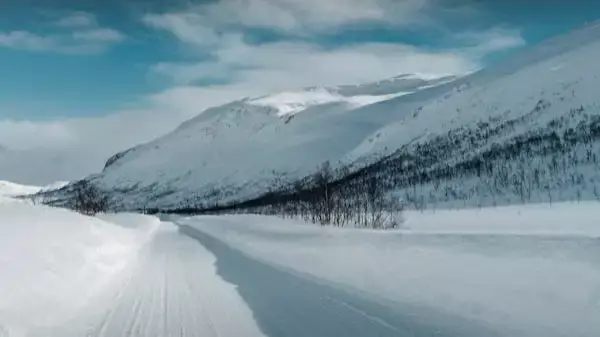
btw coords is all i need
(436, 135)
(241, 146)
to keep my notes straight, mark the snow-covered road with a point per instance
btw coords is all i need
(286, 303)
(490, 273)
(186, 283)
(171, 290)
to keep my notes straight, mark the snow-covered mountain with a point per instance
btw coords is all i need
(244, 144)
(438, 133)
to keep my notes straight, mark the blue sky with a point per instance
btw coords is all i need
(101, 76)
(74, 71)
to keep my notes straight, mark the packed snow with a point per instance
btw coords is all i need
(561, 220)
(287, 303)
(54, 261)
(63, 274)
(538, 275)
(171, 290)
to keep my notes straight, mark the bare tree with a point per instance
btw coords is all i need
(89, 199)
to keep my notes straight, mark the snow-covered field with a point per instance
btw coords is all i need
(519, 271)
(561, 219)
(530, 271)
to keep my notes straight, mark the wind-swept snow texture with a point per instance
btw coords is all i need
(63, 274)
(538, 276)
(53, 262)
(172, 289)
(242, 149)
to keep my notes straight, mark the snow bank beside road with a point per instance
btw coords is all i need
(539, 279)
(53, 261)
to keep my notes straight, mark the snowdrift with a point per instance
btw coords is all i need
(54, 262)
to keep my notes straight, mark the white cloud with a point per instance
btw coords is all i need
(42, 152)
(191, 101)
(218, 28)
(481, 43)
(47, 151)
(286, 65)
(77, 19)
(105, 35)
(184, 73)
(79, 34)
(290, 16)
(24, 40)
(187, 27)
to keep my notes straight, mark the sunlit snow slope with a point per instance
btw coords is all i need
(240, 149)
(244, 144)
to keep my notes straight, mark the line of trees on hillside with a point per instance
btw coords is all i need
(465, 165)
(324, 198)
(490, 163)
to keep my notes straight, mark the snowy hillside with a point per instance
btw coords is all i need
(524, 130)
(243, 145)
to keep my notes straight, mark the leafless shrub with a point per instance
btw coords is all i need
(88, 199)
